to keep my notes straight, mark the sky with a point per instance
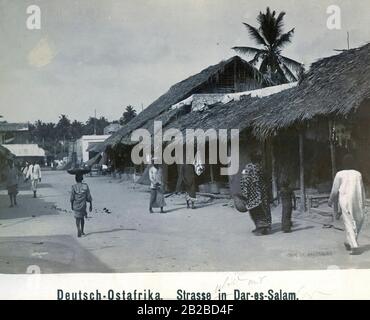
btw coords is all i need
(106, 54)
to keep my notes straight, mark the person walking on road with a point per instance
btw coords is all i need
(12, 183)
(156, 188)
(349, 192)
(80, 195)
(186, 179)
(34, 174)
(25, 170)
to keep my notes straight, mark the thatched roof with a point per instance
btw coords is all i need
(237, 114)
(175, 94)
(233, 115)
(13, 127)
(334, 87)
(240, 113)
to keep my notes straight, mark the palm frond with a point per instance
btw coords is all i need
(282, 78)
(267, 22)
(254, 33)
(288, 72)
(280, 22)
(284, 39)
(295, 65)
(247, 50)
(257, 57)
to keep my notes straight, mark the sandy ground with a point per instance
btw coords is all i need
(123, 237)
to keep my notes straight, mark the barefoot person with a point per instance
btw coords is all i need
(348, 190)
(156, 192)
(79, 197)
(12, 183)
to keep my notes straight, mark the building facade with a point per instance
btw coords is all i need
(14, 133)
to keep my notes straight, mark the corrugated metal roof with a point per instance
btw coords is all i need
(25, 150)
(11, 127)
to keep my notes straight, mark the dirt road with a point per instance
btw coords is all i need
(123, 237)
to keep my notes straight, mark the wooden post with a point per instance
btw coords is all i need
(235, 77)
(332, 151)
(301, 172)
(333, 162)
(273, 172)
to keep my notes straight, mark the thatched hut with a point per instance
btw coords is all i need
(325, 116)
(233, 111)
(304, 130)
(232, 75)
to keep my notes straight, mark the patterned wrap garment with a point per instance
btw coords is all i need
(253, 189)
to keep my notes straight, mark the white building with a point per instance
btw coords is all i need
(84, 144)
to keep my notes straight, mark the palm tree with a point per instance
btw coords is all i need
(128, 115)
(269, 35)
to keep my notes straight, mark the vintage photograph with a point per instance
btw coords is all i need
(184, 136)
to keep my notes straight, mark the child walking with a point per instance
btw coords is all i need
(286, 194)
(79, 197)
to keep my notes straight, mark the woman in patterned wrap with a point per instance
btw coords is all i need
(254, 195)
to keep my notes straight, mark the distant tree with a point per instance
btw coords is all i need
(270, 36)
(77, 129)
(128, 115)
(63, 128)
(43, 131)
(94, 125)
(45, 135)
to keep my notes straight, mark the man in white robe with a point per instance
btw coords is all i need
(34, 174)
(348, 189)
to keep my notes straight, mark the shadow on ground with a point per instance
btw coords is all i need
(109, 231)
(51, 254)
(276, 227)
(27, 207)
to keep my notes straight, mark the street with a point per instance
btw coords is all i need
(121, 235)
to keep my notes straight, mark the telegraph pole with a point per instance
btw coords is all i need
(95, 123)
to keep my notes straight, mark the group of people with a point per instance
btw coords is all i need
(253, 197)
(186, 181)
(30, 172)
(347, 191)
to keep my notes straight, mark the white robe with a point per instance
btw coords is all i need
(349, 191)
